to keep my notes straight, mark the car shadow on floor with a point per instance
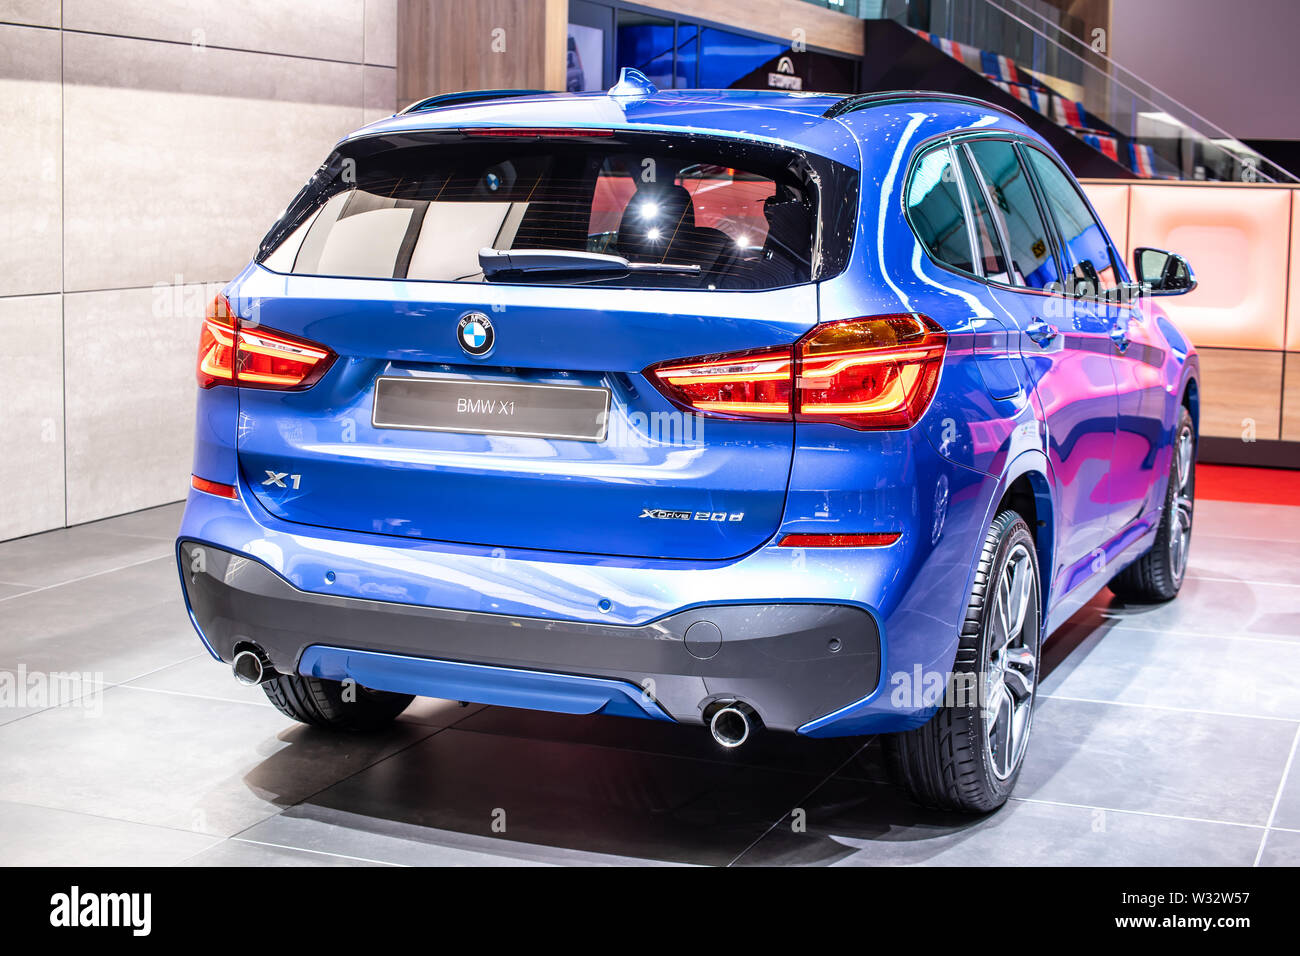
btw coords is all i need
(514, 785)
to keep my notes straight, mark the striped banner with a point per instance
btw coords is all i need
(1105, 144)
(1144, 160)
(1069, 113)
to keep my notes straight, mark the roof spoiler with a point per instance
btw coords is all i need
(465, 97)
(862, 100)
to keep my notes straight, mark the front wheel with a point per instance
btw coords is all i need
(1158, 574)
(969, 755)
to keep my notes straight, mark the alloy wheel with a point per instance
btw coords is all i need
(1011, 671)
(1180, 518)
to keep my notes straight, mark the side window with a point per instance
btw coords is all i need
(1087, 254)
(986, 232)
(935, 210)
(1030, 249)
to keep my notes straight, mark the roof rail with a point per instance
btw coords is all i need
(463, 97)
(862, 100)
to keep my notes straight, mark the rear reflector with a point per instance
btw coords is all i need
(213, 487)
(231, 353)
(873, 540)
(875, 373)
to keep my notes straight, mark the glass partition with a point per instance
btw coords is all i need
(1042, 56)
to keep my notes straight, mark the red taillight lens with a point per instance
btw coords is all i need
(873, 373)
(870, 374)
(217, 345)
(746, 384)
(254, 357)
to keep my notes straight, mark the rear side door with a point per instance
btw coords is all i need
(1066, 353)
(1095, 275)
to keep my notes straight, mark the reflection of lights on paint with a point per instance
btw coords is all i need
(652, 233)
(649, 210)
(742, 241)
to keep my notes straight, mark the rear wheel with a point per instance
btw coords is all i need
(333, 704)
(1158, 574)
(969, 755)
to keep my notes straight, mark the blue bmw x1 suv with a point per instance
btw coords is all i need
(733, 409)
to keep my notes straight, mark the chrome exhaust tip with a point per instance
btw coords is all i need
(732, 723)
(252, 667)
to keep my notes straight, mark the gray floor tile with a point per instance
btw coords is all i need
(70, 553)
(1225, 608)
(1288, 804)
(323, 829)
(121, 625)
(1192, 671)
(200, 676)
(849, 823)
(1209, 767)
(574, 797)
(1241, 519)
(785, 752)
(438, 713)
(24, 692)
(1281, 848)
(9, 590)
(1243, 559)
(210, 766)
(40, 836)
(162, 522)
(240, 853)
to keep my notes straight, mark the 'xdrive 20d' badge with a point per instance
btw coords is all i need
(475, 333)
(662, 514)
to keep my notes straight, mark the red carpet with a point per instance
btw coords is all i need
(1268, 486)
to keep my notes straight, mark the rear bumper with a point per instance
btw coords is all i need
(792, 661)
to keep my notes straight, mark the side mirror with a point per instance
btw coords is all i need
(1163, 273)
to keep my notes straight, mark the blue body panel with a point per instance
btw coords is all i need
(502, 686)
(550, 529)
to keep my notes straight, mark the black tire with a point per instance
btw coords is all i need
(1158, 574)
(950, 763)
(329, 704)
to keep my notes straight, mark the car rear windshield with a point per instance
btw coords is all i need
(422, 207)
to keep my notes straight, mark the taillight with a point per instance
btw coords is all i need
(254, 357)
(872, 373)
(748, 384)
(217, 344)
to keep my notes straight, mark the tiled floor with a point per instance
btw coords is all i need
(1165, 737)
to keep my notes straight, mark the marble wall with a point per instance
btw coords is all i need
(146, 149)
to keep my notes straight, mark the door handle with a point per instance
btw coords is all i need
(1119, 335)
(1042, 332)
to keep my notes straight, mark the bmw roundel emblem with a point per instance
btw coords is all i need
(475, 333)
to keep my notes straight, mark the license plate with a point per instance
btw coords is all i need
(576, 412)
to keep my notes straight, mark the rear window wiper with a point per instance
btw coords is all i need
(495, 262)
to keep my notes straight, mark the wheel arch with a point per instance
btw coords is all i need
(1027, 489)
(1191, 400)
